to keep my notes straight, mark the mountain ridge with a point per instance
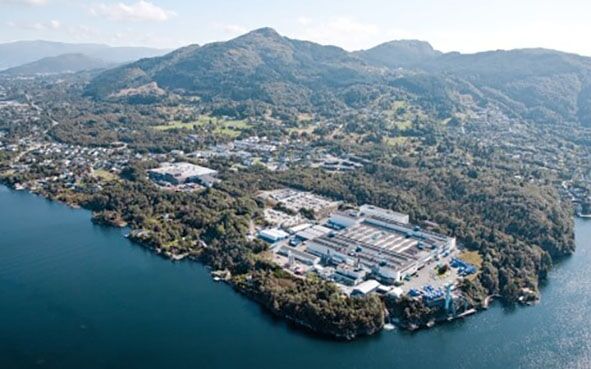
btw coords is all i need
(262, 65)
(253, 65)
(399, 53)
(14, 54)
(65, 63)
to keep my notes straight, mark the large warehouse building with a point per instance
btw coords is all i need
(386, 247)
(179, 173)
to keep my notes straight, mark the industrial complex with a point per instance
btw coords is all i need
(362, 249)
(378, 245)
(297, 201)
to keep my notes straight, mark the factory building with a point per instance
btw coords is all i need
(349, 275)
(296, 201)
(255, 144)
(380, 242)
(313, 232)
(365, 288)
(180, 173)
(302, 257)
(387, 215)
(273, 235)
(341, 220)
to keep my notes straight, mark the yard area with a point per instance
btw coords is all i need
(105, 175)
(429, 275)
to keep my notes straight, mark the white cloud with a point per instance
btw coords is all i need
(82, 33)
(52, 25)
(234, 28)
(230, 29)
(139, 11)
(55, 24)
(343, 31)
(304, 21)
(25, 2)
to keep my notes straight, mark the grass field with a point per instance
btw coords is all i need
(308, 129)
(403, 125)
(395, 141)
(231, 128)
(305, 117)
(105, 175)
(401, 115)
(472, 257)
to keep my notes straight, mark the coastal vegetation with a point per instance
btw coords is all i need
(455, 144)
(516, 247)
(316, 304)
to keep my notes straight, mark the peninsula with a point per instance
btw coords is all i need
(343, 191)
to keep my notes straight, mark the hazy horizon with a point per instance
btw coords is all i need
(301, 39)
(459, 25)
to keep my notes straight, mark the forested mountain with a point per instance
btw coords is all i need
(14, 54)
(550, 85)
(402, 53)
(261, 65)
(67, 63)
(539, 84)
(536, 84)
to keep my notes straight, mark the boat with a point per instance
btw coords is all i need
(389, 327)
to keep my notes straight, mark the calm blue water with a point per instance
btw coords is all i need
(74, 295)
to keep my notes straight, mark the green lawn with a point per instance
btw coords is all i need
(402, 114)
(105, 175)
(220, 126)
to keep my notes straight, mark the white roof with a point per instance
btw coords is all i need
(299, 227)
(367, 286)
(386, 213)
(372, 208)
(183, 169)
(273, 233)
(313, 232)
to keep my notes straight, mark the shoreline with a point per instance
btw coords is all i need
(428, 321)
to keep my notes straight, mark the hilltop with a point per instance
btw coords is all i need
(67, 63)
(263, 66)
(17, 53)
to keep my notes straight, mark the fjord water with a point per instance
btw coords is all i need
(75, 295)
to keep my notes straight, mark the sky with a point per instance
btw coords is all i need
(449, 25)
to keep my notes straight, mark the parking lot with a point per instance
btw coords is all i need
(429, 275)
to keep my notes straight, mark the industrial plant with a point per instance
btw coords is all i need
(362, 249)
